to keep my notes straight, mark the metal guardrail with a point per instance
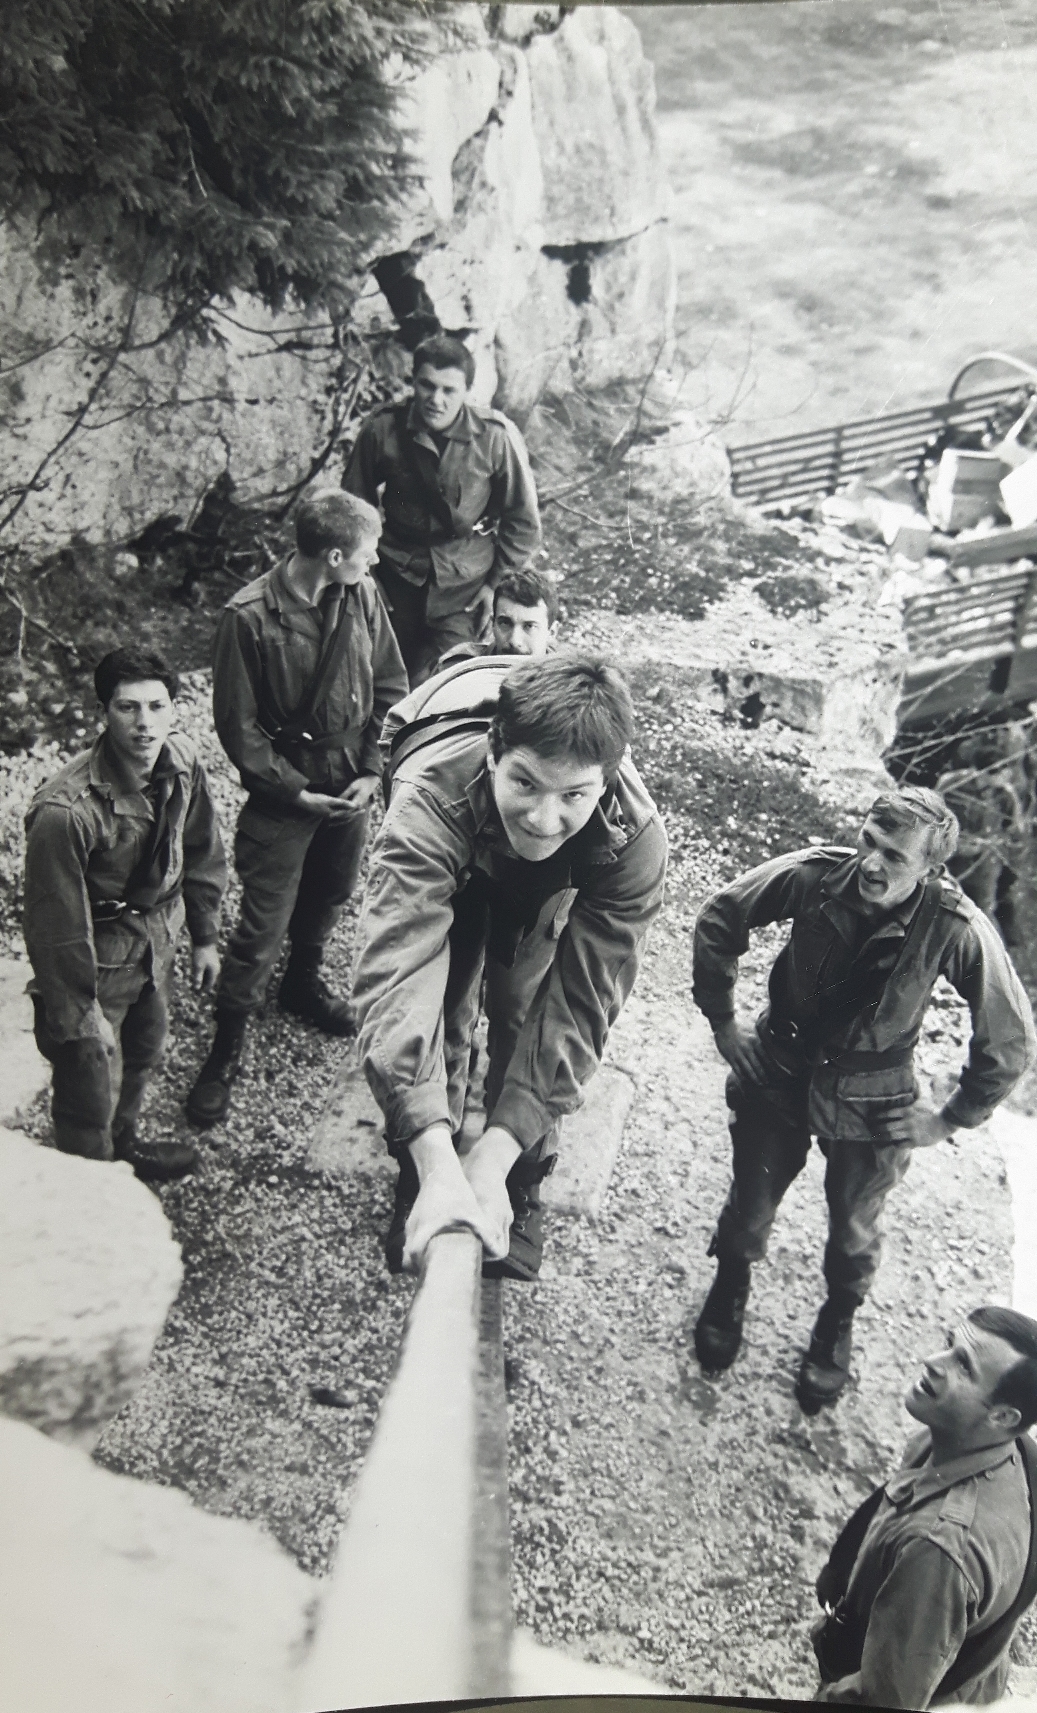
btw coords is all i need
(418, 1604)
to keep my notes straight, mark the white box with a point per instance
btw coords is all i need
(965, 489)
(1019, 492)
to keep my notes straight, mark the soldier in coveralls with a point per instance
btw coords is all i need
(872, 930)
(459, 502)
(305, 669)
(122, 844)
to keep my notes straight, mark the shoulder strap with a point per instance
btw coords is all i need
(835, 1577)
(328, 664)
(979, 1652)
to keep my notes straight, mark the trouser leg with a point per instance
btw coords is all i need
(330, 870)
(511, 992)
(269, 854)
(858, 1178)
(145, 1028)
(769, 1143)
(406, 604)
(87, 1074)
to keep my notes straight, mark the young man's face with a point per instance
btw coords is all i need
(521, 630)
(543, 801)
(439, 395)
(890, 864)
(952, 1395)
(347, 569)
(139, 720)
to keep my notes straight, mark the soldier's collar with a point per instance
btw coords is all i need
(464, 427)
(839, 886)
(914, 1485)
(109, 777)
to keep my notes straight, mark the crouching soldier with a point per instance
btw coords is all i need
(930, 1577)
(831, 1054)
(305, 669)
(521, 836)
(122, 844)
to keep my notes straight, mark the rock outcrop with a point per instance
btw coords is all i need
(88, 1270)
(119, 1597)
(539, 229)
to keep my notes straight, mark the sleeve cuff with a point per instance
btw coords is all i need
(408, 1114)
(961, 1112)
(519, 1111)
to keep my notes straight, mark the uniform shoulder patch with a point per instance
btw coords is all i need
(953, 898)
(959, 1506)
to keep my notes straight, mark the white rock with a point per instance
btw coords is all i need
(23, 1069)
(88, 1270)
(594, 117)
(119, 1597)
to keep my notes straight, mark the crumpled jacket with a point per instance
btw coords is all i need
(85, 832)
(483, 474)
(442, 821)
(268, 645)
(870, 1105)
(943, 1558)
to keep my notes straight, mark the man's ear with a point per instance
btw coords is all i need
(1005, 1417)
(490, 758)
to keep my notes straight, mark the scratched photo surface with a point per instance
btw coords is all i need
(666, 234)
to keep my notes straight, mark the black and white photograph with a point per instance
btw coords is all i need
(518, 854)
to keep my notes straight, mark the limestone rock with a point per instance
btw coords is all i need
(594, 116)
(120, 1597)
(23, 1069)
(88, 1269)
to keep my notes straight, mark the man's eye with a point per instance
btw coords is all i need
(574, 796)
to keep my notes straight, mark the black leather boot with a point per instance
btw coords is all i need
(825, 1368)
(159, 1162)
(209, 1099)
(718, 1331)
(304, 993)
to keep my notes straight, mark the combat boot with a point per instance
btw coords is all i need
(304, 993)
(160, 1162)
(526, 1246)
(209, 1100)
(718, 1330)
(825, 1368)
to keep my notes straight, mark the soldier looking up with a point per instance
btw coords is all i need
(525, 613)
(305, 669)
(458, 499)
(930, 1577)
(122, 845)
(831, 1053)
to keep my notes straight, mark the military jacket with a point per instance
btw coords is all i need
(268, 646)
(817, 890)
(943, 1559)
(484, 479)
(86, 830)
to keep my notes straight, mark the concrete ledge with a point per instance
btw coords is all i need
(348, 1137)
(589, 1146)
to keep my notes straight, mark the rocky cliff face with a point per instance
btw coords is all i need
(540, 230)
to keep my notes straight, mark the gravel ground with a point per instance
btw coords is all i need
(659, 1519)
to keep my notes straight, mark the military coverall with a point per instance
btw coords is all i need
(842, 1073)
(430, 573)
(562, 940)
(942, 1560)
(297, 869)
(87, 829)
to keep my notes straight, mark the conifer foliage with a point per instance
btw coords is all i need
(208, 146)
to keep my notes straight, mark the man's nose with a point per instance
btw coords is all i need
(545, 816)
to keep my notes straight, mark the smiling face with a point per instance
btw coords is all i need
(438, 396)
(543, 801)
(520, 630)
(953, 1392)
(890, 864)
(139, 720)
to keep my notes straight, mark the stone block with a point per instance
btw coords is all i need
(88, 1270)
(348, 1139)
(589, 1146)
(120, 1597)
(23, 1069)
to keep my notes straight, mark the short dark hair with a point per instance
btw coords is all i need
(565, 705)
(443, 352)
(332, 518)
(916, 806)
(528, 589)
(1018, 1384)
(132, 666)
